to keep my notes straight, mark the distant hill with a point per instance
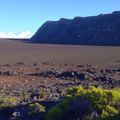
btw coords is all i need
(103, 29)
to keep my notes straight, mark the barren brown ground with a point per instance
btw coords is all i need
(26, 68)
(14, 51)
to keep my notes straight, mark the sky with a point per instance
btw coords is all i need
(22, 18)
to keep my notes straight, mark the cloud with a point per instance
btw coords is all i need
(23, 34)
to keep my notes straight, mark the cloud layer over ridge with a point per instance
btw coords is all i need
(23, 34)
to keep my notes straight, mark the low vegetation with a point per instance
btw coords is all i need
(36, 108)
(78, 104)
(87, 104)
(7, 102)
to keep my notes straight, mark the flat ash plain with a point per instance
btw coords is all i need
(45, 72)
(12, 51)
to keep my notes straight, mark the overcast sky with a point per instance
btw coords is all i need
(22, 18)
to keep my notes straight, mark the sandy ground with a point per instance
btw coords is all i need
(14, 51)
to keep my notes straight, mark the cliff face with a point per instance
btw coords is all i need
(103, 29)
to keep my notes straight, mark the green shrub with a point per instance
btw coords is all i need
(55, 113)
(24, 96)
(108, 112)
(35, 108)
(42, 95)
(103, 102)
(6, 102)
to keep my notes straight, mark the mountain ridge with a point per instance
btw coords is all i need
(103, 29)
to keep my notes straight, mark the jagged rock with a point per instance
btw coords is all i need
(35, 95)
(16, 114)
(7, 73)
(71, 75)
(15, 73)
(66, 74)
(20, 63)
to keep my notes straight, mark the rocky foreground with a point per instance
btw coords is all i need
(23, 84)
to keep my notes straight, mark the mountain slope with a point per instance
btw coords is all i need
(103, 29)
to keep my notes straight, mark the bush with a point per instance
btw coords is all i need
(104, 103)
(36, 108)
(7, 102)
